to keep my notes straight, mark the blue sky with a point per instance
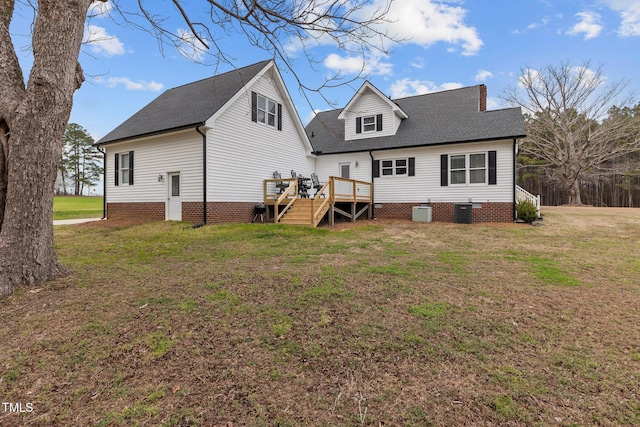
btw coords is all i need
(449, 44)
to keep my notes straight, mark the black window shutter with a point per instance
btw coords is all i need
(254, 107)
(130, 167)
(279, 116)
(376, 168)
(412, 166)
(358, 124)
(117, 163)
(379, 122)
(492, 168)
(444, 170)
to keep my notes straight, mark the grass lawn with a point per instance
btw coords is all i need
(71, 207)
(375, 324)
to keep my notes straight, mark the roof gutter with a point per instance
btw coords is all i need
(373, 186)
(515, 161)
(204, 175)
(104, 183)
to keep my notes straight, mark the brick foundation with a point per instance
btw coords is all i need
(191, 211)
(147, 211)
(489, 212)
(219, 212)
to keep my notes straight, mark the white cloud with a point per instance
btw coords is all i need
(407, 87)
(131, 85)
(102, 43)
(590, 25)
(493, 103)
(190, 47)
(630, 13)
(427, 22)
(372, 65)
(535, 25)
(418, 63)
(543, 23)
(483, 75)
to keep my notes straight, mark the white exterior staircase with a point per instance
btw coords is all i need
(522, 194)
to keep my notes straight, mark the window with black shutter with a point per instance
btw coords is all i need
(265, 110)
(123, 168)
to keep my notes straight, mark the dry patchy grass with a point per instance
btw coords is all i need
(376, 323)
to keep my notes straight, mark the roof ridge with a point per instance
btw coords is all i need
(436, 92)
(220, 75)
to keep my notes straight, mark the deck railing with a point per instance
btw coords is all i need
(522, 194)
(335, 190)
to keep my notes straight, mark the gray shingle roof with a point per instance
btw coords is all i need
(184, 106)
(436, 118)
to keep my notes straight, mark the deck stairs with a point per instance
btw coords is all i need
(342, 196)
(299, 213)
(302, 213)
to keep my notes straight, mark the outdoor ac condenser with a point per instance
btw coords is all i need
(421, 213)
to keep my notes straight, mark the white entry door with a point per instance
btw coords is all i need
(174, 202)
(344, 188)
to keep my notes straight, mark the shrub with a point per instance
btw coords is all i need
(527, 211)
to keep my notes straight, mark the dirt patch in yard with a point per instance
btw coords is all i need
(377, 323)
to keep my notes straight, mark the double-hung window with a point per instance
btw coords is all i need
(472, 168)
(458, 169)
(369, 124)
(394, 167)
(124, 168)
(265, 110)
(477, 168)
(468, 168)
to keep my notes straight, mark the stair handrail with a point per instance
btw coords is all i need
(293, 186)
(522, 194)
(320, 210)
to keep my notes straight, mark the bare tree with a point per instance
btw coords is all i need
(33, 115)
(568, 122)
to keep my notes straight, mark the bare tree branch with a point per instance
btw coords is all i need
(569, 120)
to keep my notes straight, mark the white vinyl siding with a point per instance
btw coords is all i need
(369, 105)
(241, 153)
(329, 165)
(154, 156)
(425, 185)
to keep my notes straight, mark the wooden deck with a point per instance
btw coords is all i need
(347, 197)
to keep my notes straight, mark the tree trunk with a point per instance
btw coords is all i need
(3, 169)
(574, 193)
(36, 117)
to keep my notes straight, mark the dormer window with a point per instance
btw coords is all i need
(369, 123)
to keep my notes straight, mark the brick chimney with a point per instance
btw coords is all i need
(483, 97)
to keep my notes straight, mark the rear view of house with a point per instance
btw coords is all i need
(202, 152)
(439, 149)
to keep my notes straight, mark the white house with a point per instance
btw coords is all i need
(438, 149)
(235, 129)
(213, 142)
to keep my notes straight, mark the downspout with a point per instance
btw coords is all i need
(515, 160)
(104, 183)
(373, 205)
(204, 176)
